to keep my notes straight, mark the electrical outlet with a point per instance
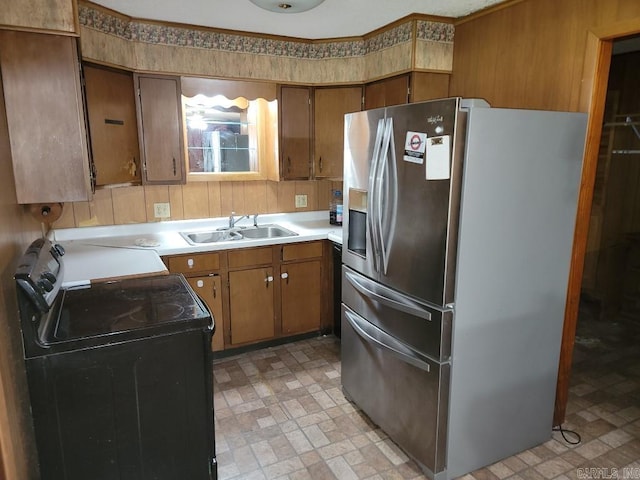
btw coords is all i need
(301, 201)
(162, 210)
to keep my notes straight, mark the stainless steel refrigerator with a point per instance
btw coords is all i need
(457, 238)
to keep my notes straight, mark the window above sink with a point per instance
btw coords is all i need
(231, 129)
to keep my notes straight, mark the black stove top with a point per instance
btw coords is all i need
(55, 320)
(122, 306)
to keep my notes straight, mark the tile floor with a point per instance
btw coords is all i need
(280, 414)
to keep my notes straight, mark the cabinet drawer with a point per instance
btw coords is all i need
(250, 257)
(301, 251)
(203, 262)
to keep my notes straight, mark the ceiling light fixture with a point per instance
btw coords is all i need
(292, 6)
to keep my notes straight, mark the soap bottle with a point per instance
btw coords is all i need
(335, 208)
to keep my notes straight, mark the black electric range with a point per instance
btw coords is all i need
(119, 373)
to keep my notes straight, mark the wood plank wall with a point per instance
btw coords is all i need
(17, 230)
(531, 54)
(544, 54)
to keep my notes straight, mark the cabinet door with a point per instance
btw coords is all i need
(111, 108)
(160, 129)
(384, 93)
(428, 86)
(295, 132)
(209, 289)
(301, 297)
(330, 105)
(45, 117)
(251, 302)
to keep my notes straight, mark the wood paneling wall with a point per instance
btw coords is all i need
(531, 54)
(548, 54)
(17, 230)
(195, 200)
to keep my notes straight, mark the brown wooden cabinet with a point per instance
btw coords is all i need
(160, 129)
(295, 132)
(301, 287)
(45, 117)
(251, 295)
(113, 128)
(330, 105)
(429, 86)
(390, 91)
(202, 271)
(209, 289)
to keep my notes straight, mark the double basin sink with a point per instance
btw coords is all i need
(236, 234)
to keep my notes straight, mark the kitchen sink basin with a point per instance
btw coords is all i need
(247, 233)
(266, 231)
(198, 238)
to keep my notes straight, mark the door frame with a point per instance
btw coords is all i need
(593, 91)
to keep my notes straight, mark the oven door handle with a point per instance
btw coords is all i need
(383, 340)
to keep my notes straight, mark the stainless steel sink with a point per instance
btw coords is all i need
(247, 233)
(266, 231)
(215, 236)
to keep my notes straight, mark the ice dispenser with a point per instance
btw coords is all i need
(357, 242)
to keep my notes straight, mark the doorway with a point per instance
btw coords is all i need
(608, 205)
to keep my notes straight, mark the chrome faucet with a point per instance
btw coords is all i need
(233, 221)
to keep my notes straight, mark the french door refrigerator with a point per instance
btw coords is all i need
(457, 238)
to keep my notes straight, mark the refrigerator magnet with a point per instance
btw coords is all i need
(414, 145)
(438, 150)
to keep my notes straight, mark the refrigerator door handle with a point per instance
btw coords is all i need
(387, 189)
(398, 303)
(381, 339)
(372, 203)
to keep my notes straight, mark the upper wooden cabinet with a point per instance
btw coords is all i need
(330, 106)
(160, 129)
(45, 116)
(387, 92)
(111, 108)
(295, 132)
(429, 86)
(53, 15)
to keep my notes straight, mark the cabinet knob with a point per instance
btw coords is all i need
(268, 279)
(200, 283)
(285, 276)
(190, 262)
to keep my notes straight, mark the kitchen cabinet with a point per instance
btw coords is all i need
(251, 295)
(301, 287)
(160, 125)
(429, 86)
(202, 271)
(329, 106)
(45, 117)
(294, 117)
(113, 128)
(390, 91)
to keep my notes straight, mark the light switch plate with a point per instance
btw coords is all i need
(162, 210)
(301, 201)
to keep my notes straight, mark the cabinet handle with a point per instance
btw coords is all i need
(215, 290)
(190, 262)
(321, 164)
(288, 164)
(285, 275)
(174, 167)
(268, 280)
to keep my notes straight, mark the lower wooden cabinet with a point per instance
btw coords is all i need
(260, 294)
(251, 300)
(301, 297)
(209, 289)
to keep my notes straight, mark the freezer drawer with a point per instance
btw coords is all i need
(423, 327)
(406, 395)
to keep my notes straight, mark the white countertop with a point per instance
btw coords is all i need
(107, 252)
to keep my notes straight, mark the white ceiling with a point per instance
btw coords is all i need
(331, 19)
